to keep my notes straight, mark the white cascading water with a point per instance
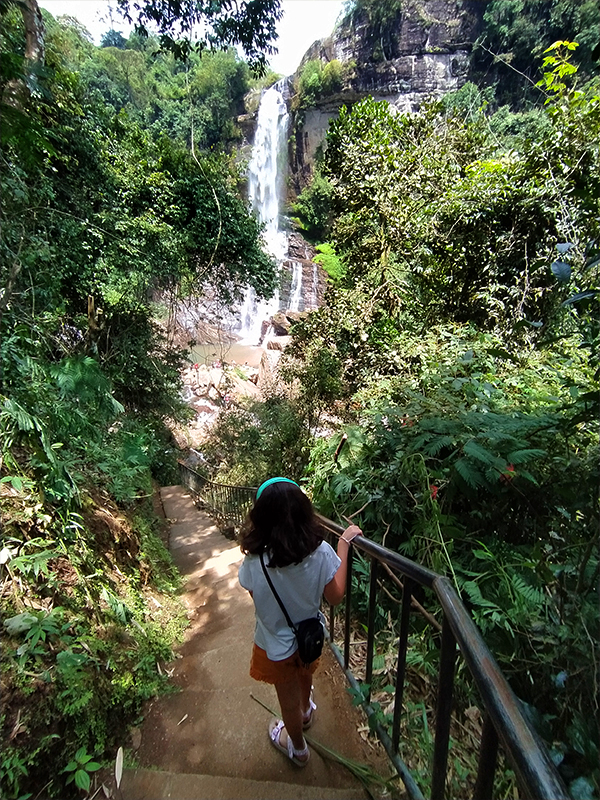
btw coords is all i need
(296, 288)
(266, 174)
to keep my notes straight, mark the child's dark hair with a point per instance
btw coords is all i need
(282, 522)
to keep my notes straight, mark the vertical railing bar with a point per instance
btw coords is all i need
(488, 754)
(226, 502)
(412, 789)
(371, 625)
(537, 772)
(443, 712)
(348, 606)
(401, 666)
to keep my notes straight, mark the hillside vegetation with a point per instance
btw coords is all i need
(455, 363)
(446, 394)
(118, 198)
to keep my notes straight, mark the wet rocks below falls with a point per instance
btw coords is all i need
(303, 282)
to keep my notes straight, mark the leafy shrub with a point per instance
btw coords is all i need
(250, 443)
(313, 208)
(317, 81)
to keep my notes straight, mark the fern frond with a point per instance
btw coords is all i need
(523, 473)
(422, 441)
(521, 456)
(476, 451)
(438, 444)
(475, 596)
(15, 412)
(469, 473)
(531, 594)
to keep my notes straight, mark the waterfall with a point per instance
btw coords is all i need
(266, 175)
(296, 288)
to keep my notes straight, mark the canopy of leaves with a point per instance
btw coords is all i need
(461, 325)
(250, 24)
(517, 32)
(111, 207)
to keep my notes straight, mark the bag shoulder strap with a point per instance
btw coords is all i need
(281, 606)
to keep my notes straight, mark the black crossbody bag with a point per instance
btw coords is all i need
(309, 633)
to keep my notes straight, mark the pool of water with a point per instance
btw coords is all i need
(226, 352)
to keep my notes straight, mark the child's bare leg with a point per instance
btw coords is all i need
(290, 699)
(305, 687)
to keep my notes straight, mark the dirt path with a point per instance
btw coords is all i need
(210, 739)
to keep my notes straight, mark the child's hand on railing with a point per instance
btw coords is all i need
(351, 532)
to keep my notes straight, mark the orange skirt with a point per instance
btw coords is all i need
(263, 669)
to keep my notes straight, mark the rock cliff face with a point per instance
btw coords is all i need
(300, 255)
(419, 54)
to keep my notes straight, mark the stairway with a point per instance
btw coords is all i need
(148, 784)
(210, 740)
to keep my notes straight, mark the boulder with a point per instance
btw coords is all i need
(281, 324)
(280, 343)
(294, 316)
(267, 373)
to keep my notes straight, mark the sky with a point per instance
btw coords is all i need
(304, 21)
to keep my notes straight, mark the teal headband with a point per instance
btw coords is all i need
(264, 485)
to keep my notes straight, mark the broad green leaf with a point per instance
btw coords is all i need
(577, 298)
(378, 662)
(20, 623)
(82, 780)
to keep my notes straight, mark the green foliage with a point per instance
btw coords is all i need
(99, 216)
(94, 659)
(113, 38)
(318, 81)
(474, 461)
(330, 262)
(518, 32)
(105, 217)
(195, 104)
(313, 208)
(81, 767)
(252, 26)
(316, 381)
(430, 211)
(259, 439)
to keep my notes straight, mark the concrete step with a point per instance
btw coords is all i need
(179, 505)
(150, 784)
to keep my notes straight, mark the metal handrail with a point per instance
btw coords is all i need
(230, 504)
(504, 721)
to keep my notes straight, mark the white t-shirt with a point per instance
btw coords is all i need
(300, 587)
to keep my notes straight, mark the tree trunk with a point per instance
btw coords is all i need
(35, 50)
(17, 92)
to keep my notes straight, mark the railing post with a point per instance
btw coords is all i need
(348, 606)
(488, 752)
(443, 712)
(371, 625)
(401, 667)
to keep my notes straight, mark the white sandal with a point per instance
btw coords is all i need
(275, 728)
(308, 716)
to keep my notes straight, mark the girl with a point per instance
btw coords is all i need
(302, 567)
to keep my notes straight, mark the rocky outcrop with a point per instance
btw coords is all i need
(300, 255)
(280, 343)
(419, 54)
